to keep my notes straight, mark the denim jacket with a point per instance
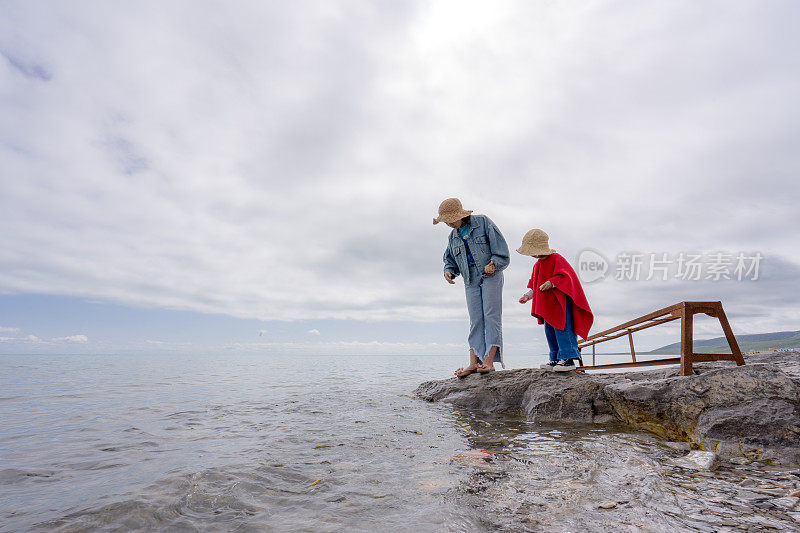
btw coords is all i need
(486, 244)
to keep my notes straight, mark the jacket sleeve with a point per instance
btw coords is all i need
(498, 246)
(450, 264)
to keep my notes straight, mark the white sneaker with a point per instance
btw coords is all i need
(548, 366)
(564, 365)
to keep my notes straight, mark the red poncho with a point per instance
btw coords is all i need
(551, 306)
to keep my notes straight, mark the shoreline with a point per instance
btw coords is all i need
(743, 414)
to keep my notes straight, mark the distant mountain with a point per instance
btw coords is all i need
(760, 342)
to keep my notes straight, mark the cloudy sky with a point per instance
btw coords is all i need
(261, 176)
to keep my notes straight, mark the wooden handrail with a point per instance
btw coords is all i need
(683, 311)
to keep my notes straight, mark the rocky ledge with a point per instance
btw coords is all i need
(750, 411)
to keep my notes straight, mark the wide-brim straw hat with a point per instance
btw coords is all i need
(535, 242)
(451, 210)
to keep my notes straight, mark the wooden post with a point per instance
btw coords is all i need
(687, 348)
(732, 342)
(633, 352)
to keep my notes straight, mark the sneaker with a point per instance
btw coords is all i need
(564, 365)
(548, 365)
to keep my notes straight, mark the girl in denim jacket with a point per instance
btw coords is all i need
(477, 250)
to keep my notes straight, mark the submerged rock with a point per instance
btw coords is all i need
(476, 458)
(752, 411)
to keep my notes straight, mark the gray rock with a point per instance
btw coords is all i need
(787, 502)
(735, 410)
(744, 413)
(679, 446)
(698, 460)
(543, 396)
(495, 392)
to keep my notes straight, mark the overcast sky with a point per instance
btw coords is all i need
(261, 176)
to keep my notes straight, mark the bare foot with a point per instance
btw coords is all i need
(466, 371)
(488, 362)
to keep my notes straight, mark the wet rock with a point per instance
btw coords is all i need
(751, 408)
(543, 396)
(698, 460)
(748, 413)
(575, 398)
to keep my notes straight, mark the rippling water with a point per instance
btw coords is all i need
(326, 444)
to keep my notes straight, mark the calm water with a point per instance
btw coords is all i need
(250, 443)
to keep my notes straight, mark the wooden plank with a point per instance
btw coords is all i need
(654, 362)
(706, 357)
(635, 321)
(686, 343)
(676, 310)
(588, 342)
(649, 324)
(708, 308)
(732, 342)
(633, 352)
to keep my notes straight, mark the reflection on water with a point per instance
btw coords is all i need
(325, 444)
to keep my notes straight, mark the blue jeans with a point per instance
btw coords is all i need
(563, 342)
(485, 306)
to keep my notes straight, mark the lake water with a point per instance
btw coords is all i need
(254, 443)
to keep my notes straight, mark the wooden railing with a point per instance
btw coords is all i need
(683, 311)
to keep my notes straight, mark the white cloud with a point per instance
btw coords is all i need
(313, 332)
(277, 164)
(8, 330)
(33, 338)
(79, 339)
(5, 339)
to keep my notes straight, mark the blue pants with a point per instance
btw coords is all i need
(563, 342)
(485, 306)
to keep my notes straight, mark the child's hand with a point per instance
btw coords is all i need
(449, 277)
(546, 286)
(489, 269)
(524, 298)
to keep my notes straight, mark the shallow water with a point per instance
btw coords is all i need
(327, 444)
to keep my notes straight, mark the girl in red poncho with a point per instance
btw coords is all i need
(558, 301)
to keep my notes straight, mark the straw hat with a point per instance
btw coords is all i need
(450, 210)
(535, 242)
